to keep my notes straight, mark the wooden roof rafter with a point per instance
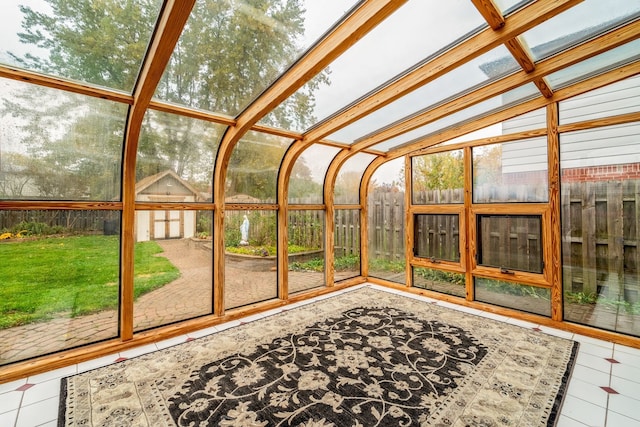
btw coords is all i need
(519, 22)
(572, 56)
(490, 12)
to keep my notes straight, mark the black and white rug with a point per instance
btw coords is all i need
(362, 358)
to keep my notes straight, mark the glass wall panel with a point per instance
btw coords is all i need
(176, 155)
(600, 184)
(437, 236)
(417, 27)
(173, 267)
(445, 282)
(622, 97)
(251, 273)
(100, 43)
(437, 178)
(252, 175)
(306, 184)
(385, 217)
(471, 75)
(346, 243)
(60, 281)
(578, 24)
(347, 187)
(514, 295)
(607, 61)
(59, 145)
(510, 242)
(511, 172)
(481, 109)
(230, 51)
(508, 6)
(306, 250)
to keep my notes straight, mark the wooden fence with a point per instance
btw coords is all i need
(386, 226)
(76, 220)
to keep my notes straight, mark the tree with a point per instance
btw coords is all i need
(227, 55)
(438, 171)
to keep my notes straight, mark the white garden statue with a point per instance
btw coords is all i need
(244, 232)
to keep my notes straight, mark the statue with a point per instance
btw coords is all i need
(244, 232)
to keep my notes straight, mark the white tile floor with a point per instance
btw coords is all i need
(604, 390)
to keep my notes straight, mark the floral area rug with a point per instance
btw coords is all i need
(362, 358)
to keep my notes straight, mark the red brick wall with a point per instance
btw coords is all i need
(602, 173)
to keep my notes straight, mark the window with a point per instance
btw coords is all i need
(510, 242)
(437, 236)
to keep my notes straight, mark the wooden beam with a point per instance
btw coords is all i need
(62, 84)
(520, 55)
(551, 65)
(490, 13)
(521, 21)
(173, 17)
(555, 233)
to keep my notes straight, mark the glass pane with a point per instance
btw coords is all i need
(508, 6)
(413, 33)
(306, 184)
(482, 109)
(346, 261)
(471, 75)
(60, 272)
(251, 273)
(306, 250)
(347, 188)
(100, 43)
(578, 24)
(445, 282)
(514, 295)
(511, 172)
(600, 187)
(173, 263)
(512, 242)
(609, 60)
(230, 51)
(175, 158)
(385, 217)
(437, 236)
(619, 98)
(438, 178)
(59, 145)
(252, 175)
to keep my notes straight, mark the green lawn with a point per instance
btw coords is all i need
(71, 276)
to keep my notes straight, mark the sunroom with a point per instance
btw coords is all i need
(169, 166)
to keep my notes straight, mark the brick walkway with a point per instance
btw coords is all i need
(187, 297)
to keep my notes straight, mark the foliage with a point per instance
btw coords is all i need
(342, 263)
(71, 276)
(438, 171)
(262, 229)
(34, 228)
(227, 54)
(316, 264)
(379, 264)
(434, 275)
(602, 301)
(516, 289)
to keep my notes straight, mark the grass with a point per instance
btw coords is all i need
(71, 276)
(264, 250)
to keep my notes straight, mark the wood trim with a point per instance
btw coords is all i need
(490, 13)
(297, 207)
(151, 206)
(63, 84)
(519, 22)
(250, 207)
(408, 220)
(347, 207)
(470, 246)
(595, 123)
(437, 209)
(543, 87)
(555, 63)
(520, 55)
(443, 265)
(364, 223)
(555, 231)
(181, 110)
(19, 205)
(170, 24)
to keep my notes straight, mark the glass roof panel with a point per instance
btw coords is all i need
(415, 31)
(230, 51)
(175, 158)
(481, 109)
(578, 24)
(611, 59)
(100, 43)
(509, 6)
(57, 145)
(488, 67)
(252, 175)
(347, 188)
(306, 184)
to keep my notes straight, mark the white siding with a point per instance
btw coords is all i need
(536, 119)
(609, 145)
(525, 156)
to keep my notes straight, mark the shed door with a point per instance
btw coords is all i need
(167, 225)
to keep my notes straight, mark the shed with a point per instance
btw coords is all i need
(165, 187)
